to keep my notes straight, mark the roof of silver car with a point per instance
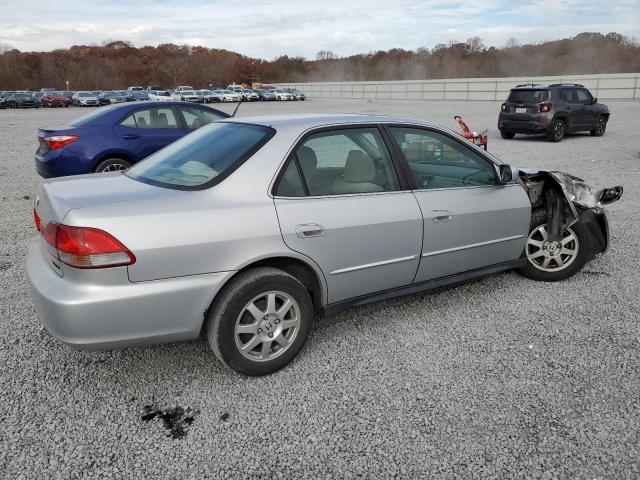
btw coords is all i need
(320, 119)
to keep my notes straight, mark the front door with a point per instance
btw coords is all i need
(147, 130)
(340, 202)
(470, 220)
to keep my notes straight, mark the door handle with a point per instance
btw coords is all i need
(441, 216)
(309, 230)
(130, 136)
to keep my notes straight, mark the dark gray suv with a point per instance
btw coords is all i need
(553, 110)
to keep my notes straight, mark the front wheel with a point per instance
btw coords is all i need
(260, 321)
(551, 261)
(507, 135)
(112, 165)
(601, 126)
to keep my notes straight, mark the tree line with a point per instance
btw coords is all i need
(118, 64)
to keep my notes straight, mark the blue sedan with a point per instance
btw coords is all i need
(115, 137)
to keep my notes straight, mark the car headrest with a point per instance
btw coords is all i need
(359, 167)
(162, 120)
(307, 158)
(142, 123)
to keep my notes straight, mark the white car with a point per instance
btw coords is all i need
(282, 95)
(160, 96)
(85, 99)
(230, 96)
(186, 96)
(249, 95)
(184, 88)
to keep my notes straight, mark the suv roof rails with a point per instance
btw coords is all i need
(529, 85)
(566, 85)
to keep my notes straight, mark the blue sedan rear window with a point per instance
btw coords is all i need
(203, 158)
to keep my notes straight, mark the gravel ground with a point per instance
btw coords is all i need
(500, 378)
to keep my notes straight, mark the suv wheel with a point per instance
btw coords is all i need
(601, 126)
(558, 129)
(112, 165)
(553, 261)
(507, 135)
(260, 321)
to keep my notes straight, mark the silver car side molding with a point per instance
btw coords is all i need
(370, 265)
(472, 245)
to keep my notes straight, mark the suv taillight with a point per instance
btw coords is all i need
(545, 107)
(85, 247)
(503, 107)
(59, 141)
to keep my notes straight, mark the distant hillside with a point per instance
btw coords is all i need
(119, 64)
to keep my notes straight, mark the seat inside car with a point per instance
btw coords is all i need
(358, 176)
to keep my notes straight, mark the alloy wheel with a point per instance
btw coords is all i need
(558, 131)
(602, 124)
(549, 256)
(114, 167)
(267, 326)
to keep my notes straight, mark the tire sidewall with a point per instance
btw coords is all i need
(230, 302)
(584, 247)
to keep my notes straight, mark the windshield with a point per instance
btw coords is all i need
(528, 96)
(203, 158)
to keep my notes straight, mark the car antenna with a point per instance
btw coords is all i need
(236, 109)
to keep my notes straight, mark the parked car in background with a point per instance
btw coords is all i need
(297, 95)
(184, 88)
(68, 94)
(48, 89)
(54, 99)
(187, 96)
(247, 95)
(140, 95)
(266, 95)
(135, 89)
(282, 95)
(3, 102)
(160, 96)
(552, 110)
(22, 100)
(230, 96)
(85, 99)
(232, 232)
(108, 98)
(116, 136)
(154, 87)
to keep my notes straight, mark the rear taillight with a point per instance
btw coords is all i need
(545, 107)
(503, 107)
(85, 247)
(59, 141)
(36, 219)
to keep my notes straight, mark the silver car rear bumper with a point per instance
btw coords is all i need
(90, 317)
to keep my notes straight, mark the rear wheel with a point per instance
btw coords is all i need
(260, 321)
(549, 261)
(601, 126)
(557, 132)
(112, 165)
(507, 135)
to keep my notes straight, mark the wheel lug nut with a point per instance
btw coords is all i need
(259, 330)
(276, 321)
(271, 335)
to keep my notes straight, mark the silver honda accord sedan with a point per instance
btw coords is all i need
(247, 229)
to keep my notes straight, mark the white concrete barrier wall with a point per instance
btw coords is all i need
(605, 86)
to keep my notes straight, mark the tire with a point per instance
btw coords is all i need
(112, 165)
(507, 135)
(224, 99)
(535, 255)
(601, 126)
(230, 312)
(558, 130)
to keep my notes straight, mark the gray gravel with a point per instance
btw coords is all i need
(501, 378)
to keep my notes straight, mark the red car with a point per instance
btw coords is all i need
(54, 99)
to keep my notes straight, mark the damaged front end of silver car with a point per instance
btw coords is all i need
(567, 199)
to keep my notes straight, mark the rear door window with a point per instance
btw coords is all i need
(152, 118)
(528, 96)
(195, 118)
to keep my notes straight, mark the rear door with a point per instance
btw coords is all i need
(147, 130)
(341, 202)
(470, 220)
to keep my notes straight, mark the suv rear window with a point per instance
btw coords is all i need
(528, 96)
(203, 158)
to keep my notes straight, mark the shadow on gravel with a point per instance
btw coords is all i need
(175, 420)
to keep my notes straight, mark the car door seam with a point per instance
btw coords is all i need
(472, 245)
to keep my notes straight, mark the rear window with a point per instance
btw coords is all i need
(203, 158)
(528, 96)
(84, 119)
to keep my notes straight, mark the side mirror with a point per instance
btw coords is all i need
(506, 175)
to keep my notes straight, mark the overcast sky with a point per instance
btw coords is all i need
(268, 29)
